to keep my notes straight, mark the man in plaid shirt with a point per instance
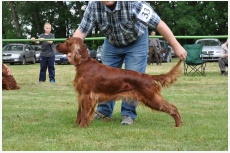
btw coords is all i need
(125, 26)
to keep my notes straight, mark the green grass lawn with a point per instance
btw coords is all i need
(40, 116)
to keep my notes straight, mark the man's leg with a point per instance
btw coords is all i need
(222, 62)
(156, 55)
(135, 59)
(151, 51)
(111, 56)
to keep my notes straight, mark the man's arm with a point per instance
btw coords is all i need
(164, 30)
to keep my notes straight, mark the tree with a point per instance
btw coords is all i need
(183, 17)
(15, 17)
(194, 18)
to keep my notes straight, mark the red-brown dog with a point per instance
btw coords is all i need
(8, 81)
(96, 82)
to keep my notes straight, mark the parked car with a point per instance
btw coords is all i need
(211, 49)
(92, 53)
(18, 53)
(61, 58)
(37, 49)
(167, 55)
(98, 57)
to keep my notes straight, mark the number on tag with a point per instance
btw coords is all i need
(145, 13)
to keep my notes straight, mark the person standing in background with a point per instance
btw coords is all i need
(154, 49)
(223, 60)
(47, 56)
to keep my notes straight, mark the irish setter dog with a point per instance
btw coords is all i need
(96, 82)
(8, 81)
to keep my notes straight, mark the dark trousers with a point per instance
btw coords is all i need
(223, 63)
(153, 54)
(47, 62)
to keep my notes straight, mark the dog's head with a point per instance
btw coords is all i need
(75, 47)
(5, 71)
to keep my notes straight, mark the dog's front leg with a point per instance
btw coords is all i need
(86, 111)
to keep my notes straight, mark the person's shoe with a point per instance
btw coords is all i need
(224, 73)
(126, 120)
(52, 81)
(98, 115)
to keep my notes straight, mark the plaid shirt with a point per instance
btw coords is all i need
(123, 25)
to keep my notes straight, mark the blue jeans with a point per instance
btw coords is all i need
(47, 62)
(135, 58)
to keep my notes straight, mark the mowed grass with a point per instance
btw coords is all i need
(40, 116)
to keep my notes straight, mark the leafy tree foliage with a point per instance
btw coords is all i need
(22, 19)
(194, 18)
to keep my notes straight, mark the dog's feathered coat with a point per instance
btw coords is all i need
(8, 81)
(96, 82)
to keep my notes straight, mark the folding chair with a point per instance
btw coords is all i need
(194, 62)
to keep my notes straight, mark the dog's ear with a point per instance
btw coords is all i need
(83, 49)
(76, 56)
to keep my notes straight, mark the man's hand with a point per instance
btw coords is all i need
(180, 52)
(164, 30)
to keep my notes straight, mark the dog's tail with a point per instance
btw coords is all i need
(170, 77)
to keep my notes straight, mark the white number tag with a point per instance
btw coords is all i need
(145, 13)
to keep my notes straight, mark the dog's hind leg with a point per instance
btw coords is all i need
(78, 119)
(160, 104)
(172, 110)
